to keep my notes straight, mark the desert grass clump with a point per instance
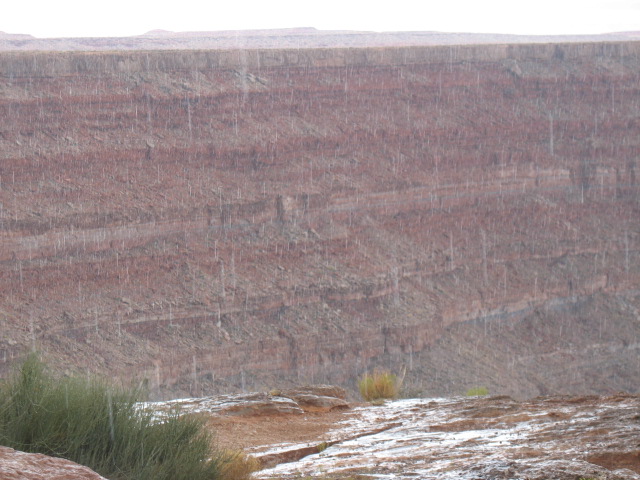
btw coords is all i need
(379, 385)
(237, 465)
(100, 426)
(477, 392)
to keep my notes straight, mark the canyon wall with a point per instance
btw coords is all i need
(207, 221)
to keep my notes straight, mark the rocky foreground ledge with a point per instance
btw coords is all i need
(564, 438)
(483, 438)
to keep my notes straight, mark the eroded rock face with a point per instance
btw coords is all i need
(239, 220)
(15, 465)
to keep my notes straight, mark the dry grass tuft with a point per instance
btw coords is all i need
(380, 385)
(237, 465)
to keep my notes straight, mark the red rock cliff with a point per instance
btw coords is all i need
(214, 220)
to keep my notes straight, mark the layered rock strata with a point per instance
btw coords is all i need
(206, 221)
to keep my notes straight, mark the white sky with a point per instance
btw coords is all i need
(84, 18)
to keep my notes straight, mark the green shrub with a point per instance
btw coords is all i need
(94, 424)
(477, 392)
(379, 385)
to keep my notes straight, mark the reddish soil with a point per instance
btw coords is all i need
(257, 431)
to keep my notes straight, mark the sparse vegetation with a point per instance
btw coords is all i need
(477, 392)
(322, 446)
(379, 385)
(97, 425)
(237, 465)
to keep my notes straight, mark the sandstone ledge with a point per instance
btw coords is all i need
(16, 465)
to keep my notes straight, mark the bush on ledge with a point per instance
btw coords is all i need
(380, 385)
(99, 426)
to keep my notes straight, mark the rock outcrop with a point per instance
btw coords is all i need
(206, 221)
(565, 438)
(319, 398)
(16, 465)
(231, 405)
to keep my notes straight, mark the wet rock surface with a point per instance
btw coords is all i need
(242, 405)
(315, 398)
(480, 438)
(16, 465)
(561, 437)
